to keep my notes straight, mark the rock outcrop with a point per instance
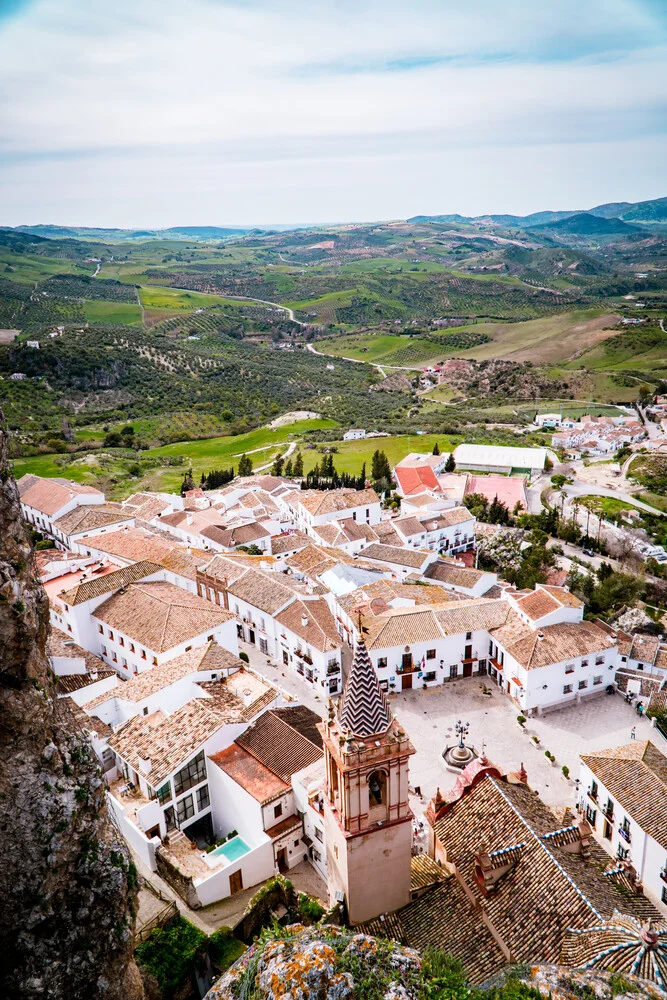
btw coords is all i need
(67, 886)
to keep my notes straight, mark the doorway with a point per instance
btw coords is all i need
(467, 668)
(281, 859)
(251, 636)
(407, 682)
(235, 882)
(406, 662)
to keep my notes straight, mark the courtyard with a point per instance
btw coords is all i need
(430, 716)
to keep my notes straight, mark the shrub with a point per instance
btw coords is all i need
(535, 739)
(244, 656)
(224, 948)
(566, 771)
(521, 719)
(310, 909)
(170, 952)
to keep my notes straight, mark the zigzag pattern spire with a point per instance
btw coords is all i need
(363, 709)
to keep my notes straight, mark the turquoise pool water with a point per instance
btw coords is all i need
(232, 849)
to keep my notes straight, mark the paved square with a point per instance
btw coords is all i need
(429, 717)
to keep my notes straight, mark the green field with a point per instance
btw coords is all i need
(352, 454)
(176, 299)
(99, 311)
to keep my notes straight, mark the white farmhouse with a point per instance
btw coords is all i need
(623, 794)
(315, 507)
(43, 501)
(354, 434)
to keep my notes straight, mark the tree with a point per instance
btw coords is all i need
(289, 470)
(436, 448)
(278, 465)
(188, 482)
(298, 465)
(245, 465)
(380, 469)
(450, 464)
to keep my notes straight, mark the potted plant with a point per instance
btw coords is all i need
(566, 771)
(536, 741)
(521, 719)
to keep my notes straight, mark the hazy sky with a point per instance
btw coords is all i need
(211, 112)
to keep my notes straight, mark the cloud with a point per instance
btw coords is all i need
(292, 90)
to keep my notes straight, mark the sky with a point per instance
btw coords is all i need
(157, 113)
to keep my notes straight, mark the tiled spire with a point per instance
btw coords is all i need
(363, 709)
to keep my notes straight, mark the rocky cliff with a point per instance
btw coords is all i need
(67, 887)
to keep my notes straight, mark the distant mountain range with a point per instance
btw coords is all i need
(194, 233)
(613, 218)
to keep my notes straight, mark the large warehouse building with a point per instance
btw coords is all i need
(498, 458)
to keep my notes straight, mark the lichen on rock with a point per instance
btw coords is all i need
(67, 886)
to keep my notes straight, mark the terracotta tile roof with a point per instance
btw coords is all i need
(622, 945)
(160, 615)
(288, 825)
(409, 525)
(75, 682)
(278, 745)
(473, 615)
(301, 718)
(184, 562)
(424, 871)
(538, 604)
(386, 591)
(554, 643)
(134, 544)
(267, 591)
(387, 534)
(562, 595)
(165, 741)
(288, 543)
(95, 586)
(212, 656)
(26, 482)
(313, 560)
(636, 776)
(387, 925)
(394, 554)
(402, 626)
(320, 628)
(330, 501)
(59, 644)
(91, 517)
(443, 919)
(547, 890)
(413, 479)
(49, 495)
(456, 576)
(248, 772)
(151, 508)
(240, 534)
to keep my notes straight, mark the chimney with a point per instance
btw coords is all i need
(540, 635)
(145, 765)
(304, 621)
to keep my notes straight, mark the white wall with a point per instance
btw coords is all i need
(544, 688)
(137, 840)
(256, 866)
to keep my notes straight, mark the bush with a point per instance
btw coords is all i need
(521, 719)
(170, 952)
(224, 948)
(310, 909)
(244, 656)
(566, 771)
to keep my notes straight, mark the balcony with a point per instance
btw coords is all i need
(608, 813)
(625, 834)
(592, 794)
(663, 874)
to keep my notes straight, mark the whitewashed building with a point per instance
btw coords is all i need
(623, 794)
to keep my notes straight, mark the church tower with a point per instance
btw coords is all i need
(368, 822)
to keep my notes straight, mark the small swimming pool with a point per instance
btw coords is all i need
(230, 851)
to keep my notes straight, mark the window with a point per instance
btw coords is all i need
(318, 833)
(191, 774)
(591, 815)
(209, 638)
(104, 650)
(100, 628)
(143, 654)
(185, 808)
(430, 654)
(155, 661)
(164, 793)
(599, 659)
(597, 679)
(131, 647)
(263, 646)
(121, 641)
(110, 634)
(663, 894)
(277, 810)
(569, 668)
(584, 663)
(188, 648)
(567, 689)
(382, 661)
(430, 676)
(203, 798)
(582, 685)
(468, 636)
(145, 709)
(114, 657)
(593, 789)
(170, 818)
(453, 670)
(622, 852)
(377, 789)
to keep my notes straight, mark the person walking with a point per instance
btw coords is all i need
(633, 733)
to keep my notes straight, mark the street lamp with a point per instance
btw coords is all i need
(461, 731)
